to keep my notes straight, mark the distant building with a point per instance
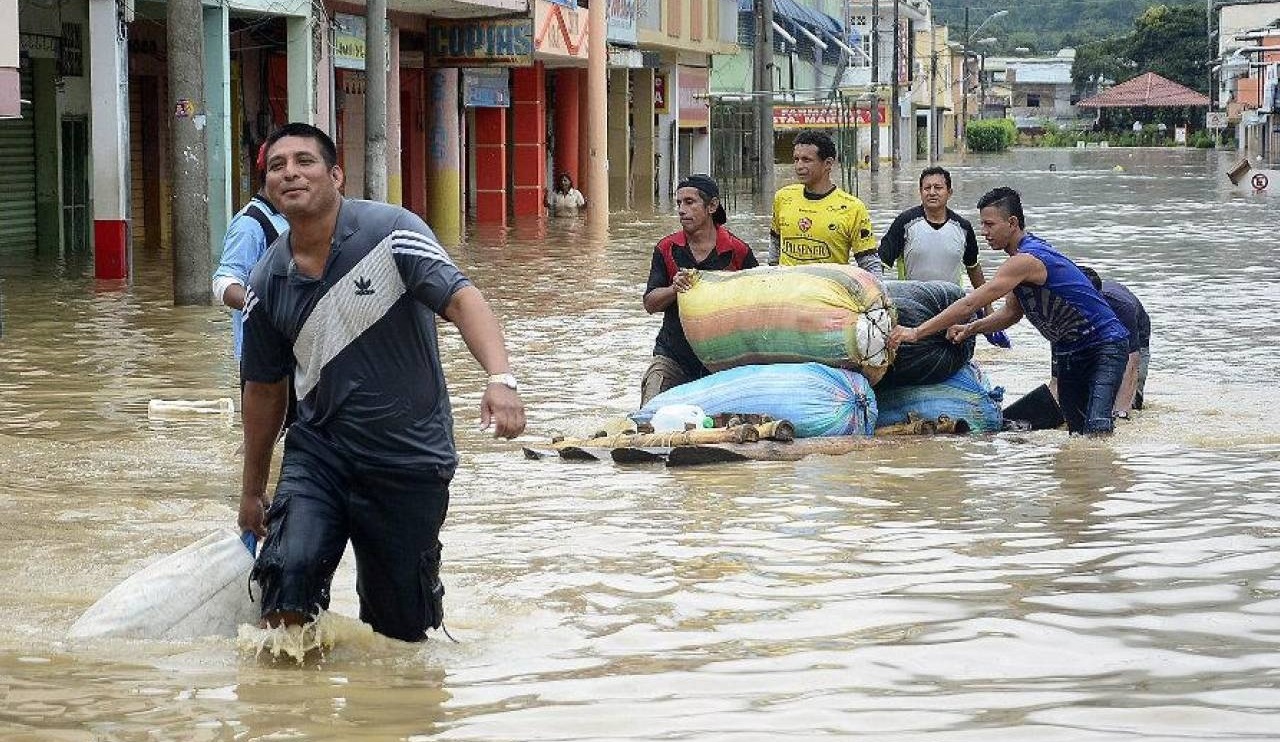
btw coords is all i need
(1031, 90)
(1247, 73)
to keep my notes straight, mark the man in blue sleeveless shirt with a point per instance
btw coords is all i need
(1090, 345)
(346, 302)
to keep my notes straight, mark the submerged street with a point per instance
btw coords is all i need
(1014, 586)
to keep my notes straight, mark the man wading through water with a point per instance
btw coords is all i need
(346, 302)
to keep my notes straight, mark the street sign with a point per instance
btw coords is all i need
(1260, 181)
(1215, 120)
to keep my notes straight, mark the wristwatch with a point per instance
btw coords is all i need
(507, 380)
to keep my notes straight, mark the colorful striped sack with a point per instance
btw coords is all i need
(817, 399)
(967, 395)
(837, 315)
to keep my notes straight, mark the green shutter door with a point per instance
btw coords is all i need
(18, 176)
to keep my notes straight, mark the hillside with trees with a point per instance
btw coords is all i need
(1043, 26)
(1114, 40)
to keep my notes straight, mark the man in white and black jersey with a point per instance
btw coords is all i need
(346, 303)
(930, 242)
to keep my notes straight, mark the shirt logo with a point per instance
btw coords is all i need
(364, 287)
(805, 223)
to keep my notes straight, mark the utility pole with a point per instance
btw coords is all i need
(596, 167)
(762, 70)
(964, 86)
(895, 114)
(375, 101)
(875, 86)
(933, 94)
(184, 34)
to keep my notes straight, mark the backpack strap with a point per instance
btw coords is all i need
(258, 211)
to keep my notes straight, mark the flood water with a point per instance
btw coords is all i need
(1013, 587)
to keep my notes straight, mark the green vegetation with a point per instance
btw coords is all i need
(1043, 26)
(991, 135)
(1150, 136)
(1169, 40)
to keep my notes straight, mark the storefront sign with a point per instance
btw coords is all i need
(622, 22)
(348, 41)
(486, 87)
(660, 101)
(560, 32)
(821, 117)
(695, 110)
(482, 41)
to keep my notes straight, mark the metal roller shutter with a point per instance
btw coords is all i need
(18, 177)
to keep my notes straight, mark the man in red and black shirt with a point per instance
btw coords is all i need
(702, 243)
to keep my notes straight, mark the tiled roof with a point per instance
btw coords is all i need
(1147, 90)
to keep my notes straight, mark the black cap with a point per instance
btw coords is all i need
(709, 188)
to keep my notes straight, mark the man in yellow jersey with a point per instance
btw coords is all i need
(816, 222)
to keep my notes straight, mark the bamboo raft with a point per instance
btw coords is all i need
(772, 440)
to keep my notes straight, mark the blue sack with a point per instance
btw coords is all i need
(967, 395)
(819, 400)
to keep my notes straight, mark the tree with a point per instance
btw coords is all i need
(1097, 62)
(1170, 40)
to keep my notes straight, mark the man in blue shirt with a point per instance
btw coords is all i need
(346, 303)
(1135, 319)
(250, 233)
(1090, 345)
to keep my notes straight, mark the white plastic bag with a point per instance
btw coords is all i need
(202, 590)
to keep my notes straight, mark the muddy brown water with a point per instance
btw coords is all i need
(1012, 587)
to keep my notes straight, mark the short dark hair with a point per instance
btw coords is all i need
(1007, 201)
(819, 139)
(936, 170)
(1092, 275)
(328, 152)
(708, 189)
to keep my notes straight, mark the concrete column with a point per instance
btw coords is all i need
(444, 155)
(566, 123)
(643, 137)
(491, 165)
(217, 90)
(324, 80)
(395, 180)
(109, 105)
(48, 136)
(595, 169)
(619, 140)
(584, 123)
(528, 140)
(302, 67)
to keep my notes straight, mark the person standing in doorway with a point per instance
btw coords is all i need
(815, 221)
(347, 303)
(565, 200)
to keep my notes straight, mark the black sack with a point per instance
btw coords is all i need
(934, 359)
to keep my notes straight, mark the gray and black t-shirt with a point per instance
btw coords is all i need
(360, 340)
(925, 251)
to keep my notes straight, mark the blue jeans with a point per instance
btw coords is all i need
(1088, 381)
